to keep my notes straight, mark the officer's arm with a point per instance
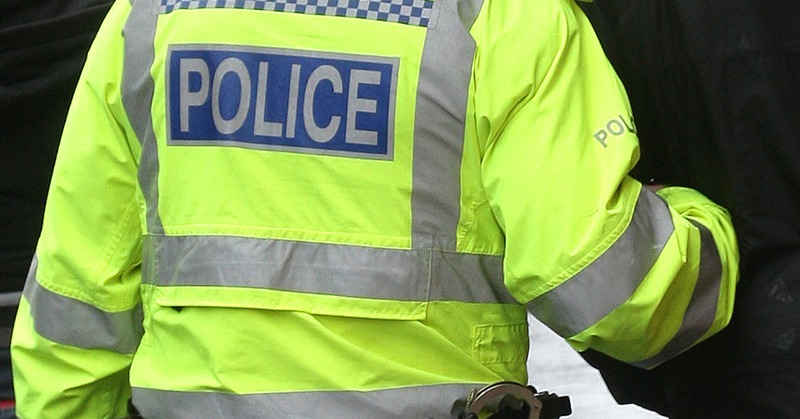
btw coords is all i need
(601, 260)
(79, 320)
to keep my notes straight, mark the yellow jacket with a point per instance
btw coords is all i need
(345, 208)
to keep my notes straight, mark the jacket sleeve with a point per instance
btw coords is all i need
(604, 262)
(80, 318)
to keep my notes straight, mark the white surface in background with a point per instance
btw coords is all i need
(555, 367)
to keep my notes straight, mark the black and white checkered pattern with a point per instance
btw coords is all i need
(411, 12)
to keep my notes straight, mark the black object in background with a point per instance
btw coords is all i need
(715, 91)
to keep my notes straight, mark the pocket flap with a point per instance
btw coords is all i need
(266, 299)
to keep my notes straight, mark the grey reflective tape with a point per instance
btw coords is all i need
(137, 96)
(72, 322)
(609, 281)
(467, 278)
(431, 401)
(468, 11)
(441, 108)
(353, 271)
(702, 310)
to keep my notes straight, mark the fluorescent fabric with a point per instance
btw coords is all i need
(353, 207)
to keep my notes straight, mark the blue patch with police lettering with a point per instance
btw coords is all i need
(301, 101)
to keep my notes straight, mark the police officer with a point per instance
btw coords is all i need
(345, 208)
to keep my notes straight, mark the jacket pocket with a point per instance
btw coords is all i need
(268, 299)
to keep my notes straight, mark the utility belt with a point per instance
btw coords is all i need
(508, 400)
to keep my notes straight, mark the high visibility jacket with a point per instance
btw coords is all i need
(279, 208)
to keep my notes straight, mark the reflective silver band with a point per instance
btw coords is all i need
(433, 401)
(137, 97)
(702, 308)
(609, 281)
(72, 322)
(440, 114)
(413, 275)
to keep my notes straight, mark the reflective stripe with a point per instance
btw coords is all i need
(72, 322)
(433, 401)
(440, 113)
(415, 275)
(609, 281)
(702, 308)
(137, 97)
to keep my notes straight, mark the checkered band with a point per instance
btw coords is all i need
(411, 12)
